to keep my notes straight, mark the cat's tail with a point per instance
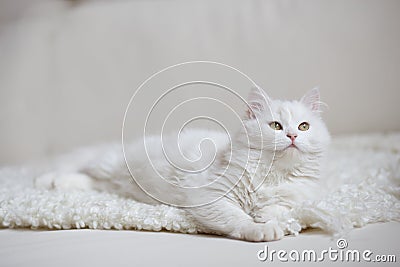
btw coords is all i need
(64, 181)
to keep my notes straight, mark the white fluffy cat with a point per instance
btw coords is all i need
(240, 187)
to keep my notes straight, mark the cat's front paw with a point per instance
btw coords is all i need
(259, 232)
(273, 212)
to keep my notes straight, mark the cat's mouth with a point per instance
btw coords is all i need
(292, 145)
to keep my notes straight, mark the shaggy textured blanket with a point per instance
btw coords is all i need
(362, 172)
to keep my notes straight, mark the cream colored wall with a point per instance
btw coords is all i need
(67, 71)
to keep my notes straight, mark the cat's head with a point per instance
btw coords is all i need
(289, 128)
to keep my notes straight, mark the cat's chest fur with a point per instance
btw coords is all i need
(270, 180)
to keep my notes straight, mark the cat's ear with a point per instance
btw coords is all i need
(258, 101)
(312, 99)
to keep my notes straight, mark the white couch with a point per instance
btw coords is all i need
(69, 68)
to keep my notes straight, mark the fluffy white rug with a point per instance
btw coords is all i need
(362, 172)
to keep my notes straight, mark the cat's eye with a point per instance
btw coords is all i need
(275, 125)
(304, 126)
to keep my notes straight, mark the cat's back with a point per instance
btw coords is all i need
(190, 149)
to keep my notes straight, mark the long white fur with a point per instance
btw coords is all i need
(260, 178)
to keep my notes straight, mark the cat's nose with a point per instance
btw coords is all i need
(292, 136)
